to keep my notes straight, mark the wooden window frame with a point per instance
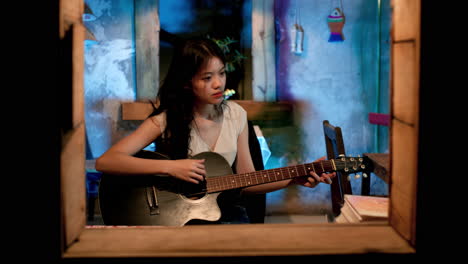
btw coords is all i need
(398, 236)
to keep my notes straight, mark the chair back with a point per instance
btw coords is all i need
(335, 147)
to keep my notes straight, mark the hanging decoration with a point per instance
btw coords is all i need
(88, 14)
(297, 34)
(336, 21)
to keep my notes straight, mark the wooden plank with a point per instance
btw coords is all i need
(136, 110)
(406, 20)
(73, 143)
(405, 116)
(256, 111)
(406, 82)
(71, 12)
(404, 176)
(263, 51)
(73, 192)
(147, 28)
(238, 240)
(78, 74)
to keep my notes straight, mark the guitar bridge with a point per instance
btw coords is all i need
(152, 199)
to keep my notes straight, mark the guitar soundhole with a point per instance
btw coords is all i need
(193, 191)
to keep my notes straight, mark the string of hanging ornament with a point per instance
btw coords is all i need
(297, 32)
(336, 21)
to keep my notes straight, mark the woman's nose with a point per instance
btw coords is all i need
(218, 82)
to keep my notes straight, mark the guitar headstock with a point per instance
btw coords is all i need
(351, 165)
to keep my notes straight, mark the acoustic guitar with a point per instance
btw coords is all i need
(167, 201)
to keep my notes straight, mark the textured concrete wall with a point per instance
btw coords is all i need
(109, 72)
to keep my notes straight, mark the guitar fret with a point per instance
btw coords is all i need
(235, 181)
(227, 183)
(304, 170)
(294, 172)
(231, 181)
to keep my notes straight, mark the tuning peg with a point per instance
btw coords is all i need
(364, 175)
(363, 166)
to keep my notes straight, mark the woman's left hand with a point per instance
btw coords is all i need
(313, 180)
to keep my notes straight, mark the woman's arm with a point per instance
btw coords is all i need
(245, 165)
(119, 158)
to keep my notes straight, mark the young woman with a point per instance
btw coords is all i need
(192, 116)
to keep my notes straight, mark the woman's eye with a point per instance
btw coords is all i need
(222, 73)
(206, 78)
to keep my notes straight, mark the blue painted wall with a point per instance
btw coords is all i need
(109, 72)
(337, 81)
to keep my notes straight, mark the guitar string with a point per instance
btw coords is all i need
(247, 179)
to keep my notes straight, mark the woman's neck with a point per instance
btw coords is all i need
(206, 111)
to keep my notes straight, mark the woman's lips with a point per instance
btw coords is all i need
(217, 95)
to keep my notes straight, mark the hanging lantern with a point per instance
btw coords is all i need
(297, 34)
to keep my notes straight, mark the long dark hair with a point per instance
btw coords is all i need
(176, 97)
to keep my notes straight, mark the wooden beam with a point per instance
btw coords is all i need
(72, 175)
(405, 117)
(238, 240)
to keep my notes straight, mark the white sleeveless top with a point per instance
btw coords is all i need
(234, 121)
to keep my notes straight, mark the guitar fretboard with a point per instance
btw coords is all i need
(227, 182)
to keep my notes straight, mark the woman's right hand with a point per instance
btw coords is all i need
(190, 170)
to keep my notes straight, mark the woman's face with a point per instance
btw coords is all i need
(209, 83)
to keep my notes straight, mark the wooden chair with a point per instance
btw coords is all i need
(335, 147)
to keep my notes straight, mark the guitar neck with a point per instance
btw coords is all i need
(234, 181)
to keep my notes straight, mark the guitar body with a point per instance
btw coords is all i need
(160, 199)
